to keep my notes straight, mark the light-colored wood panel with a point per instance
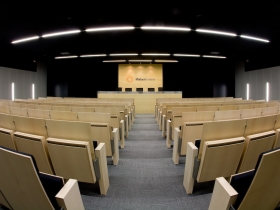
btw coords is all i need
(39, 113)
(226, 115)
(30, 125)
(250, 113)
(63, 115)
(19, 111)
(6, 121)
(260, 125)
(6, 138)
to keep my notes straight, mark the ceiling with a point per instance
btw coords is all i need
(21, 21)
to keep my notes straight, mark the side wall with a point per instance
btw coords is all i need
(257, 82)
(23, 81)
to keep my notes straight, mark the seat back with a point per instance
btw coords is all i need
(39, 113)
(5, 109)
(27, 106)
(246, 106)
(19, 111)
(270, 110)
(63, 115)
(207, 108)
(61, 108)
(43, 107)
(7, 128)
(83, 109)
(250, 113)
(228, 107)
(227, 115)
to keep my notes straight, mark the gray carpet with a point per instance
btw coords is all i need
(146, 177)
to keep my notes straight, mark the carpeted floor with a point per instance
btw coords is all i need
(146, 177)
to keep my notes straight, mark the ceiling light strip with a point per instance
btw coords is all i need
(114, 61)
(124, 54)
(215, 32)
(96, 55)
(166, 61)
(211, 56)
(186, 55)
(66, 57)
(155, 54)
(25, 40)
(254, 38)
(110, 29)
(165, 28)
(61, 33)
(148, 61)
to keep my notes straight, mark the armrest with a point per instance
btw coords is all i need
(224, 195)
(176, 146)
(116, 136)
(69, 197)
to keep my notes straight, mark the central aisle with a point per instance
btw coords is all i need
(146, 177)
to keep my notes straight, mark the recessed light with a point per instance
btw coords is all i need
(25, 39)
(61, 33)
(215, 32)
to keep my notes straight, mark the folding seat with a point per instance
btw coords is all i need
(5, 109)
(7, 129)
(39, 113)
(270, 110)
(19, 111)
(63, 115)
(43, 107)
(75, 154)
(217, 153)
(258, 188)
(27, 106)
(227, 114)
(24, 187)
(250, 113)
(228, 107)
(61, 108)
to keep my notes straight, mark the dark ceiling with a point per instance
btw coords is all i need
(21, 21)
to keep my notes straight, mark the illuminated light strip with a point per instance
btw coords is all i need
(114, 61)
(211, 56)
(61, 33)
(165, 28)
(166, 61)
(215, 32)
(248, 91)
(97, 55)
(254, 38)
(110, 29)
(13, 91)
(66, 57)
(126, 54)
(267, 91)
(155, 54)
(140, 60)
(186, 55)
(25, 40)
(33, 91)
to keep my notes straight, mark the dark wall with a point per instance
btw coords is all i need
(195, 77)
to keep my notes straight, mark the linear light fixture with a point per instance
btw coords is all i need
(25, 40)
(114, 61)
(247, 91)
(13, 91)
(124, 54)
(254, 38)
(96, 55)
(33, 91)
(148, 61)
(110, 29)
(166, 61)
(267, 91)
(61, 33)
(165, 28)
(186, 55)
(66, 57)
(155, 54)
(215, 32)
(212, 56)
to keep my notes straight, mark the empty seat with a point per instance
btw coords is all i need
(63, 115)
(7, 128)
(39, 113)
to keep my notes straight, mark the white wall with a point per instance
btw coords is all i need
(23, 81)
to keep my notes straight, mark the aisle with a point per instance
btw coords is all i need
(146, 177)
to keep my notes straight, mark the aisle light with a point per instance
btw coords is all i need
(254, 38)
(33, 91)
(110, 29)
(165, 28)
(247, 91)
(25, 40)
(215, 32)
(13, 91)
(267, 91)
(61, 33)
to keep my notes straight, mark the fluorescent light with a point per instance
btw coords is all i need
(110, 29)
(114, 61)
(166, 61)
(212, 56)
(267, 91)
(97, 55)
(25, 40)
(215, 32)
(155, 54)
(66, 57)
(247, 91)
(186, 55)
(165, 28)
(126, 54)
(140, 61)
(13, 91)
(33, 91)
(254, 38)
(61, 33)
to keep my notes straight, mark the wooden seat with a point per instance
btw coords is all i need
(43, 107)
(23, 187)
(83, 109)
(5, 109)
(61, 108)
(250, 113)
(30, 137)
(63, 115)
(229, 107)
(220, 150)
(260, 137)
(39, 113)
(27, 106)
(72, 153)
(19, 111)
(7, 129)
(101, 131)
(270, 110)
(255, 189)
(227, 114)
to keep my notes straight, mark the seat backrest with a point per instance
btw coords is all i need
(250, 113)
(261, 105)
(43, 107)
(27, 106)
(22, 190)
(227, 115)
(35, 126)
(83, 109)
(63, 115)
(197, 116)
(19, 111)
(61, 108)
(270, 110)
(7, 129)
(246, 106)
(39, 113)
(94, 117)
(5, 109)
(6, 121)
(207, 108)
(228, 107)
